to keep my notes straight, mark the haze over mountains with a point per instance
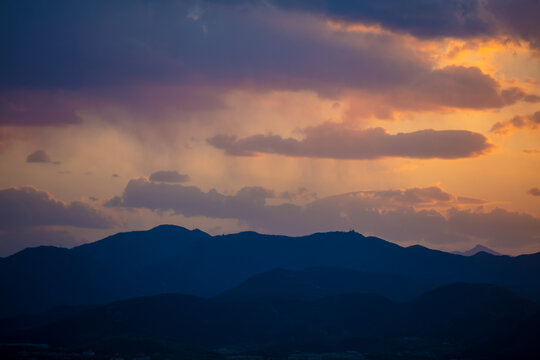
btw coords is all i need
(334, 291)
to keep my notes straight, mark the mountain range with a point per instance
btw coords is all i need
(170, 258)
(185, 294)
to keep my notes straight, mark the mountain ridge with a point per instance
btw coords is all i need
(174, 259)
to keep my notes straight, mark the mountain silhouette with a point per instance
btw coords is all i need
(461, 315)
(172, 259)
(131, 250)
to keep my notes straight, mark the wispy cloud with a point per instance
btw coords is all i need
(531, 122)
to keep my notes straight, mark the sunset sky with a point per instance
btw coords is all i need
(414, 121)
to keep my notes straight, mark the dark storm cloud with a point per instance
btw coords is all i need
(434, 18)
(26, 207)
(169, 176)
(58, 55)
(399, 215)
(530, 122)
(518, 17)
(337, 142)
(78, 44)
(38, 156)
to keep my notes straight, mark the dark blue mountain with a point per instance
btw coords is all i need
(319, 282)
(456, 317)
(173, 259)
(225, 261)
(132, 250)
(40, 278)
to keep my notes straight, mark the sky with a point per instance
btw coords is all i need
(414, 121)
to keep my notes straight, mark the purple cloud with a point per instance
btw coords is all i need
(433, 19)
(26, 207)
(49, 80)
(169, 176)
(337, 142)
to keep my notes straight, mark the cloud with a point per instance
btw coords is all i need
(430, 215)
(499, 227)
(301, 193)
(420, 18)
(169, 176)
(431, 196)
(338, 142)
(534, 191)
(38, 156)
(164, 60)
(517, 18)
(190, 200)
(531, 122)
(462, 87)
(26, 207)
(434, 19)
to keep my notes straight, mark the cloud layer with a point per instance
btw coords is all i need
(62, 57)
(32, 217)
(337, 142)
(434, 19)
(410, 215)
(26, 207)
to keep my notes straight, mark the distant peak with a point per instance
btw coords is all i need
(168, 227)
(477, 249)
